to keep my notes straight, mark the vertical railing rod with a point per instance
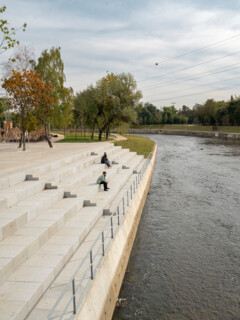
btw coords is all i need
(111, 227)
(118, 215)
(91, 264)
(103, 251)
(74, 297)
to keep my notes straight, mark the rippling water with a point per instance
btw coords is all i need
(185, 262)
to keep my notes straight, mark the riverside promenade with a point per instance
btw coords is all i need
(51, 211)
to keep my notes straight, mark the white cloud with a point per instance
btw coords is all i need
(98, 36)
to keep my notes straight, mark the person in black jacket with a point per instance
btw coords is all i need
(105, 160)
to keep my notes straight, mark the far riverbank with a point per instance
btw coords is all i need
(203, 134)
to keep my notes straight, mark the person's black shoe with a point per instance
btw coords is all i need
(106, 190)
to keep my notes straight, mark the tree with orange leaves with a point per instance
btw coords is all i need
(29, 96)
(45, 100)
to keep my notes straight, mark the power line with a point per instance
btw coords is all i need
(200, 49)
(214, 44)
(196, 65)
(205, 84)
(192, 94)
(208, 73)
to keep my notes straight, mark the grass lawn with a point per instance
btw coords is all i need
(231, 129)
(72, 138)
(137, 144)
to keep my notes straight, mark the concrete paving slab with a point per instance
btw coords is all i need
(13, 310)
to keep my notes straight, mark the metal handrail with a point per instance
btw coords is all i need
(102, 236)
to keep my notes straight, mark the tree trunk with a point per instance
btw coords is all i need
(100, 135)
(46, 135)
(93, 129)
(23, 140)
(76, 132)
(107, 132)
(20, 141)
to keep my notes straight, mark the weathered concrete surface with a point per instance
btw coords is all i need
(99, 302)
(203, 134)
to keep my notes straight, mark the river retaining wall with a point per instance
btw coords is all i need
(203, 134)
(100, 300)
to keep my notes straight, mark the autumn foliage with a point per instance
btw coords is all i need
(29, 97)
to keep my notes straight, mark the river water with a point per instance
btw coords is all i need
(185, 262)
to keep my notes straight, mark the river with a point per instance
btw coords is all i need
(185, 262)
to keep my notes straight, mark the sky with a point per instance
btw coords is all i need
(179, 52)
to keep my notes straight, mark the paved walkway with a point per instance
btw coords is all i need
(119, 137)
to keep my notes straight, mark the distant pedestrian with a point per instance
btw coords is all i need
(102, 180)
(105, 160)
(2, 133)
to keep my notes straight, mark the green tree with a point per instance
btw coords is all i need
(50, 66)
(111, 102)
(233, 110)
(85, 109)
(169, 115)
(149, 114)
(118, 98)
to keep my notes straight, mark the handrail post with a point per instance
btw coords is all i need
(131, 193)
(127, 199)
(118, 215)
(134, 188)
(74, 297)
(123, 206)
(103, 252)
(111, 227)
(91, 265)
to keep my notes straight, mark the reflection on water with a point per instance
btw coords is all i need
(185, 262)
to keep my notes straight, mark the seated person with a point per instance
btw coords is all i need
(105, 160)
(102, 180)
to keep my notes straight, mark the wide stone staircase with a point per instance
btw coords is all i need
(45, 215)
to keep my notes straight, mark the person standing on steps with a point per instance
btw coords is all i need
(102, 180)
(105, 160)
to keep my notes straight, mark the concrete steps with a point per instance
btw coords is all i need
(72, 169)
(25, 210)
(41, 232)
(71, 233)
(28, 239)
(9, 180)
